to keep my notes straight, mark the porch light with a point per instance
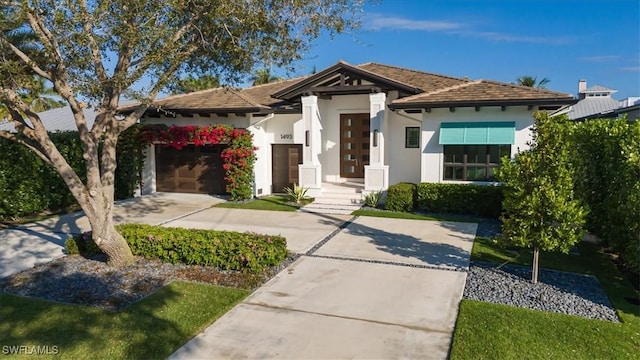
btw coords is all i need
(306, 138)
(375, 138)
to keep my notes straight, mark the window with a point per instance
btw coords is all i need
(412, 137)
(473, 162)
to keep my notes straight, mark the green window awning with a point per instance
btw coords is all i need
(478, 133)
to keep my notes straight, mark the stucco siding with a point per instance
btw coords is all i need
(432, 152)
(404, 163)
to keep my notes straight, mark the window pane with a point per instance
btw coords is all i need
(453, 153)
(458, 173)
(412, 137)
(505, 150)
(476, 154)
(448, 173)
(476, 173)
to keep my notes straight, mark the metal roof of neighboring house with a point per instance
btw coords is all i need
(598, 89)
(60, 119)
(592, 106)
(416, 88)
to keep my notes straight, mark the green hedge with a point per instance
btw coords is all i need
(606, 158)
(226, 250)
(467, 199)
(401, 197)
(28, 185)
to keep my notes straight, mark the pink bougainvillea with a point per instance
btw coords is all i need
(238, 157)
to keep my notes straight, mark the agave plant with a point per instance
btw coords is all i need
(297, 193)
(372, 199)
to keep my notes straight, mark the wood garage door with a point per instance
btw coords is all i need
(190, 170)
(285, 159)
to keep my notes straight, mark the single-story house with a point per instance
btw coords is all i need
(373, 123)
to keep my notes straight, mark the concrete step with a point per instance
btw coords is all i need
(327, 211)
(338, 200)
(330, 208)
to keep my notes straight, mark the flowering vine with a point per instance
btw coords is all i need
(237, 158)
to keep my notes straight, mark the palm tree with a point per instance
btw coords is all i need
(191, 83)
(532, 81)
(264, 76)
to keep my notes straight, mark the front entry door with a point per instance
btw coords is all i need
(354, 144)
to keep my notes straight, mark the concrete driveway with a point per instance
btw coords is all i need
(302, 230)
(372, 301)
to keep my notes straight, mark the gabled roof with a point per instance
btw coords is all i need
(340, 78)
(60, 119)
(483, 93)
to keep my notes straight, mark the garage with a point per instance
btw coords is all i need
(193, 169)
(285, 159)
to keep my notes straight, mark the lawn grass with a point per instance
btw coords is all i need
(491, 331)
(415, 216)
(271, 202)
(152, 328)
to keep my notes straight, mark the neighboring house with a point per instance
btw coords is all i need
(597, 102)
(373, 123)
(60, 119)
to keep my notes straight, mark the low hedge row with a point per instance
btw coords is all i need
(466, 199)
(226, 250)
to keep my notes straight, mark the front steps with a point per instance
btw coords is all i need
(337, 198)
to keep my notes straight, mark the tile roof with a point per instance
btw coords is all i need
(482, 92)
(437, 90)
(60, 119)
(222, 98)
(425, 81)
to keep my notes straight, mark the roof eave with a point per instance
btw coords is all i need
(447, 104)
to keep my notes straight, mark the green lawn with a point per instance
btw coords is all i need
(151, 328)
(491, 331)
(272, 202)
(415, 216)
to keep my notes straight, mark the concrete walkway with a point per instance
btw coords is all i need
(400, 302)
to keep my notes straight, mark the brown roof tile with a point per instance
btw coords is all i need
(481, 92)
(423, 80)
(262, 93)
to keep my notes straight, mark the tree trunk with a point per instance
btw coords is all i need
(534, 273)
(99, 212)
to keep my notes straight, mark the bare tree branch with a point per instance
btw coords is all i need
(101, 73)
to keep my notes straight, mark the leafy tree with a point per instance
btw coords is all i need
(264, 76)
(191, 83)
(94, 52)
(532, 81)
(541, 210)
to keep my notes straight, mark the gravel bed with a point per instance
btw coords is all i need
(78, 280)
(556, 291)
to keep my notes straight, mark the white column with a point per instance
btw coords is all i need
(149, 171)
(310, 169)
(376, 174)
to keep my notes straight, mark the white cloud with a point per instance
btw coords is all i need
(383, 22)
(379, 22)
(600, 58)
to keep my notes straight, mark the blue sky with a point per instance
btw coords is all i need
(562, 40)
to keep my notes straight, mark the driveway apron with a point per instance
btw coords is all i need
(380, 288)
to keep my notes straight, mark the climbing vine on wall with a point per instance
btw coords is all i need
(238, 157)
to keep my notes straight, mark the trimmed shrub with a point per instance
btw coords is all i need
(467, 199)
(28, 185)
(226, 250)
(401, 197)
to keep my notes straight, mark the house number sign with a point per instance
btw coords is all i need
(286, 136)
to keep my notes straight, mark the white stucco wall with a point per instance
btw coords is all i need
(432, 156)
(279, 129)
(404, 163)
(330, 110)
